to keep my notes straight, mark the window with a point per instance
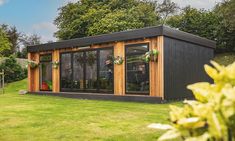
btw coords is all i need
(78, 73)
(137, 70)
(91, 70)
(87, 71)
(106, 70)
(45, 72)
(66, 71)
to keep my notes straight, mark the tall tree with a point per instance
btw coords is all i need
(92, 17)
(226, 12)
(166, 9)
(14, 38)
(226, 9)
(4, 42)
(28, 40)
(204, 23)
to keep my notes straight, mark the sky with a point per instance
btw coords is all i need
(37, 16)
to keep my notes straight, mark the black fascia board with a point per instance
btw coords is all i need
(123, 36)
(184, 36)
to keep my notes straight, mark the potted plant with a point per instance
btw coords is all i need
(55, 64)
(118, 60)
(154, 54)
(45, 87)
(32, 64)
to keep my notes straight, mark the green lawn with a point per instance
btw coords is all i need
(225, 58)
(43, 118)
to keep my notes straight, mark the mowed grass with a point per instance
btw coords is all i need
(47, 118)
(225, 58)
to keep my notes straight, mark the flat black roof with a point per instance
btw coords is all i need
(124, 36)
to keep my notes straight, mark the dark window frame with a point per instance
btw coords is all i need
(126, 54)
(40, 55)
(98, 66)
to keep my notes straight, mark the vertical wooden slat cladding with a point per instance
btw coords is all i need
(33, 74)
(119, 70)
(56, 72)
(183, 65)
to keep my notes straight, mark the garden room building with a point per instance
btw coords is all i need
(148, 65)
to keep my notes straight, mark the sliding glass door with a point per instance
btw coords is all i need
(137, 70)
(78, 71)
(91, 71)
(87, 71)
(105, 71)
(66, 72)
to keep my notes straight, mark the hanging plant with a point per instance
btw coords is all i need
(151, 55)
(118, 60)
(32, 64)
(79, 59)
(91, 58)
(55, 64)
(146, 57)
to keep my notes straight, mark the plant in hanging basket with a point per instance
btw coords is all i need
(118, 60)
(32, 64)
(146, 57)
(154, 54)
(55, 64)
(151, 55)
(90, 58)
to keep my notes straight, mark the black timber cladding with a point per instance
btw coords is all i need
(183, 65)
(124, 36)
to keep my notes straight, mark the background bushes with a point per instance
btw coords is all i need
(13, 71)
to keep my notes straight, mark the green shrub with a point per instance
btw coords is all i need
(211, 117)
(13, 71)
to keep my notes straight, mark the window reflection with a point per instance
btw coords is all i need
(78, 73)
(91, 71)
(137, 71)
(87, 71)
(106, 71)
(45, 73)
(66, 71)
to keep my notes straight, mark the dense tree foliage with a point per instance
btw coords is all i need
(165, 9)
(4, 42)
(13, 42)
(28, 41)
(217, 25)
(92, 17)
(13, 36)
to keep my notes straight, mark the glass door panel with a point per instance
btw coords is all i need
(91, 71)
(78, 71)
(106, 70)
(66, 72)
(137, 71)
(87, 71)
(45, 73)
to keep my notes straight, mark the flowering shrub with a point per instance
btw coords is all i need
(118, 60)
(211, 117)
